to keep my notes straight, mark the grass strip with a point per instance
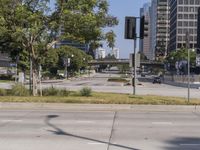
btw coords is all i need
(103, 98)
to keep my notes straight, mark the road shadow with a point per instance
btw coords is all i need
(184, 143)
(57, 131)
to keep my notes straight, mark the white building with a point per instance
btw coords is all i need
(115, 52)
(100, 53)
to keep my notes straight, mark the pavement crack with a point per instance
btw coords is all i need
(112, 129)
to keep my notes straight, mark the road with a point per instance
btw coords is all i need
(61, 129)
(99, 83)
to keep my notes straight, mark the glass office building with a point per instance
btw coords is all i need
(183, 18)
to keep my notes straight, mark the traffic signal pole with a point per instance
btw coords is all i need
(130, 33)
(135, 68)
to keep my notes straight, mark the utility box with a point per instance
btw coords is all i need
(131, 60)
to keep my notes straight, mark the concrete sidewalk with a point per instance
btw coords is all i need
(99, 107)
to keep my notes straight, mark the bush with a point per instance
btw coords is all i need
(19, 90)
(116, 79)
(86, 91)
(55, 92)
(6, 77)
(64, 92)
(3, 92)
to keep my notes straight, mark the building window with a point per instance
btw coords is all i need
(185, 16)
(180, 1)
(180, 16)
(180, 24)
(197, 2)
(192, 2)
(191, 16)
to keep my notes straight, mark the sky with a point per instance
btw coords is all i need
(120, 9)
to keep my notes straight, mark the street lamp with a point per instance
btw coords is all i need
(197, 62)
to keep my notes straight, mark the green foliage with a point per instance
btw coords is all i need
(29, 29)
(3, 92)
(123, 68)
(19, 90)
(50, 61)
(110, 36)
(117, 79)
(55, 92)
(181, 54)
(86, 91)
(6, 77)
(79, 60)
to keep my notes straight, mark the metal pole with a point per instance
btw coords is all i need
(40, 78)
(188, 48)
(188, 75)
(135, 68)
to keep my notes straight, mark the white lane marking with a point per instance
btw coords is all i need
(89, 122)
(11, 121)
(96, 143)
(189, 144)
(162, 123)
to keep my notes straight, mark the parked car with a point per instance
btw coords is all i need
(157, 80)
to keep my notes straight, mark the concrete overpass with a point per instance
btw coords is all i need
(124, 61)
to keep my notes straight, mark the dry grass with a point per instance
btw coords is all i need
(104, 98)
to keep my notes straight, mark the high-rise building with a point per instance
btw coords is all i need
(115, 52)
(153, 27)
(183, 18)
(162, 27)
(145, 43)
(198, 30)
(100, 53)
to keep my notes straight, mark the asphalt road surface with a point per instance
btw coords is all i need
(99, 83)
(98, 130)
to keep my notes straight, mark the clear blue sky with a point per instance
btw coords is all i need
(120, 9)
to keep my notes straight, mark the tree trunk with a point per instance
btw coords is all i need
(34, 78)
(35, 84)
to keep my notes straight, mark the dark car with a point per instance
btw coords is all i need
(157, 80)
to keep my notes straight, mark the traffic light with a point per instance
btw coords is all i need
(130, 28)
(143, 27)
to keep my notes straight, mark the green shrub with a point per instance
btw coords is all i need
(55, 92)
(6, 77)
(86, 91)
(117, 79)
(50, 91)
(3, 92)
(19, 90)
(64, 92)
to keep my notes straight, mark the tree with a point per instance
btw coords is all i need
(110, 36)
(181, 55)
(78, 58)
(90, 16)
(29, 25)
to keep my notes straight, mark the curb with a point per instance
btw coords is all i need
(99, 107)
